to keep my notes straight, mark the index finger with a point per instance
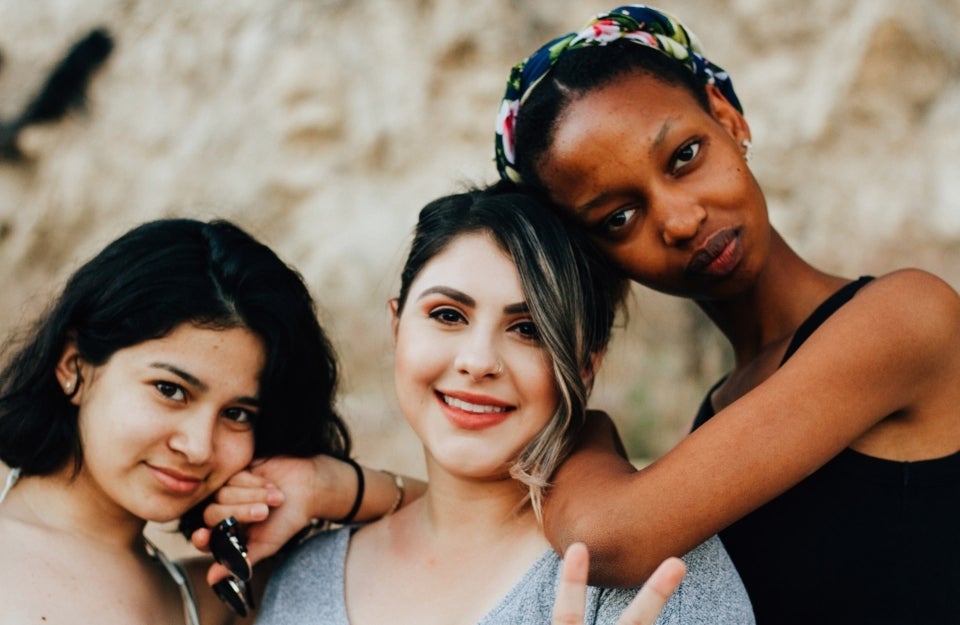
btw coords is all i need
(571, 596)
(653, 595)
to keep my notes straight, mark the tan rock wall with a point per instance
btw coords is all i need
(323, 126)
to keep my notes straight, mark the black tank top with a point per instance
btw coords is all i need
(861, 540)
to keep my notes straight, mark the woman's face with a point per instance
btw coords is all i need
(165, 422)
(472, 377)
(662, 185)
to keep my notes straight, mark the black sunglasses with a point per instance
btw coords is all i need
(229, 549)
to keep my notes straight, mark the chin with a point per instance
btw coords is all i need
(475, 467)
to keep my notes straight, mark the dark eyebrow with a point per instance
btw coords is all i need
(196, 383)
(584, 209)
(177, 371)
(466, 300)
(661, 136)
(454, 294)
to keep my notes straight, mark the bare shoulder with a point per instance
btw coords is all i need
(914, 285)
(925, 306)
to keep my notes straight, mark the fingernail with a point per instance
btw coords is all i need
(259, 511)
(275, 497)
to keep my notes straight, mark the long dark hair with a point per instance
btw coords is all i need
(143, 285)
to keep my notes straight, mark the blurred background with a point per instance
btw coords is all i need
(322, 126)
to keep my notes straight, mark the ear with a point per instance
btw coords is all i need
(728, 116)
(394, 306)
(589, 374)
(69, 373)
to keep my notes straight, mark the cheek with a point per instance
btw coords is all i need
(234, 452)
(418, 364)
(632, 258)
(110, 422)
(539, 390)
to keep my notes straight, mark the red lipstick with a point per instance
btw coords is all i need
(469, 411)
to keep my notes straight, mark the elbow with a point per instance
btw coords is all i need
(617, 558)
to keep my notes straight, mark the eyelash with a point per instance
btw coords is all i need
(247, 419)
(625, 215)
(445, 315)
(695, 145)
(169, 389)
(527, 329)
(165, 389)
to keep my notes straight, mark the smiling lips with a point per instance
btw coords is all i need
(718, 255)
(175, 481)
(473, 412)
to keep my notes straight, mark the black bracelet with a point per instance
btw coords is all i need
(359, 499)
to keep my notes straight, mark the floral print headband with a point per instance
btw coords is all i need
(634, 22)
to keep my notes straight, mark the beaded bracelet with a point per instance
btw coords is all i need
(398, 480)
(359, 498)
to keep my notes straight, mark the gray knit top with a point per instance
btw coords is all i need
(308, 589)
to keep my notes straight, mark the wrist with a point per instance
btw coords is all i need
(333, 488)
(360, 481)
(400, 485)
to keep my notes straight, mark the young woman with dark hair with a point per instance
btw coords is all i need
(173, 358)
(828, 457)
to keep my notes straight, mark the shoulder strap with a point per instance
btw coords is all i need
(12, 478)
(822, 313)
(190, 614)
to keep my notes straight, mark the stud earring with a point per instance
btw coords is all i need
(68, 386)
(746, 149)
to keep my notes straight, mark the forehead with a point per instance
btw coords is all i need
(613, 125)
(471, 262)
(235, 354)
(632, 108)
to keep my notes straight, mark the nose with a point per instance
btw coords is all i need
(479, 357)
(681, 221)
(193, 437)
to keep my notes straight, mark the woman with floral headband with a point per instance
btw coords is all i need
(828, 456)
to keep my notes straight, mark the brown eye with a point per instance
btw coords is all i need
(528, 330)
(239, 415)
(685, 155)
(447, 316)
(618, 220)
(170, 390)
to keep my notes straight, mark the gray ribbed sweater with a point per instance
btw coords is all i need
(307, 589)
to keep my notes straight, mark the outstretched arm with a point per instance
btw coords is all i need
(279, 497)
(892, 350)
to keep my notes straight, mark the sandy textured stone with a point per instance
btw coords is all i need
(323, 126)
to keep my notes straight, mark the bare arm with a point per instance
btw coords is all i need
(891, 350)
(279, 497)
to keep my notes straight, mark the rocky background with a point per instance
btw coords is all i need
(323, 126)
